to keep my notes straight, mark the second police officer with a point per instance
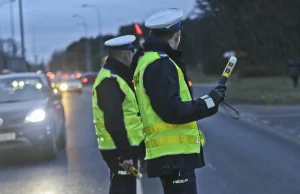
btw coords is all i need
(116, 115)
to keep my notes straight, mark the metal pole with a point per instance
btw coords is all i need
(94, 7)
(1, 53)
(34, 46)
(88, 55)
(12, 27)
(1, 43)
(22, 29)
(87, 43)
(12, 23)
(100, 36)
(87, 50)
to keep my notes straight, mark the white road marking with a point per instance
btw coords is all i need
(210, 166)
(139, 189)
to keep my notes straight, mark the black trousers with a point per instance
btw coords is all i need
(121, 182)
(179, 182)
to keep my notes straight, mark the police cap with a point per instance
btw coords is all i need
(165, 20)
(121, 42)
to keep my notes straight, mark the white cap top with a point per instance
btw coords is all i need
(120, 41)
(164, 18)
(233, 59)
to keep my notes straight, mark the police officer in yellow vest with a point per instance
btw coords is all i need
(116, 115)
(174, 143)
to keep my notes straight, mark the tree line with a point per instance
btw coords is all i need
(264, 35)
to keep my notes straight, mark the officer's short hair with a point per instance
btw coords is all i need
(166, 35)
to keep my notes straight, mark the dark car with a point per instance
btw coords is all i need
(89, 77)
(31, 115)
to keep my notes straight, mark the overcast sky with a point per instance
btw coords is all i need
(54, 27)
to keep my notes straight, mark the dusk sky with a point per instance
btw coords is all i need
(54, 27)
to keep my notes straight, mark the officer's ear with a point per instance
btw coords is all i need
(126, 55)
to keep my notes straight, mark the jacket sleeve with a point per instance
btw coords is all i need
(110, 99)
(162, 86)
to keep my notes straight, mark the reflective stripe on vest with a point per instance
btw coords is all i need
(163, 138)
(132, 120)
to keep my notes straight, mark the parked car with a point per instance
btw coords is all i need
(31, 115)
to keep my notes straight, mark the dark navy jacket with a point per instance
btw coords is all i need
(162, 86)
(110, 98)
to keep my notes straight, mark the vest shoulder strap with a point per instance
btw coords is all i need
(112, 74)
(163, 55)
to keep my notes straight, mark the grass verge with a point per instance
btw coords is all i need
(264, 90)
(259, 90)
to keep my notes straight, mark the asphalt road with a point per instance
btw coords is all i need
(241, 159)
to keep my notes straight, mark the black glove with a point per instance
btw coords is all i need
(218, 94)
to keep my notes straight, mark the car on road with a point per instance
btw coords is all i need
(31, 115)
(69, 85)
(89, 77)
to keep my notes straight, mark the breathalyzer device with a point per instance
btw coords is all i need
(227, 71)
(135, 172)
(132, 170)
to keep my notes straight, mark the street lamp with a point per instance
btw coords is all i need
(11, 14)
(87, 42)
(94, 7)
(84, 23)
(1, 46)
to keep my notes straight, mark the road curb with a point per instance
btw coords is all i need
(268, 129)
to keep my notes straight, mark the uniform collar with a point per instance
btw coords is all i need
(118, 68)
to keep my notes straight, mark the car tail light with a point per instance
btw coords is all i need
(78, 75)
(72, 75)
(190, 83)
(65, 75)
(49, 74)
(85, 80)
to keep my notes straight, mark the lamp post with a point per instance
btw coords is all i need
(12, 23)
(87, 43)
(96, 9)
(11, 13)
(11, 16)
(12, 29)
(22, 29)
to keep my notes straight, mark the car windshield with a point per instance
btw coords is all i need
(20, 89)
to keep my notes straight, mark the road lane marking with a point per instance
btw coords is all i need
(139, 189)
(211, 167)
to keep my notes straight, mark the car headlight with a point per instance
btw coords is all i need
(36, 116)
(63, 87)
